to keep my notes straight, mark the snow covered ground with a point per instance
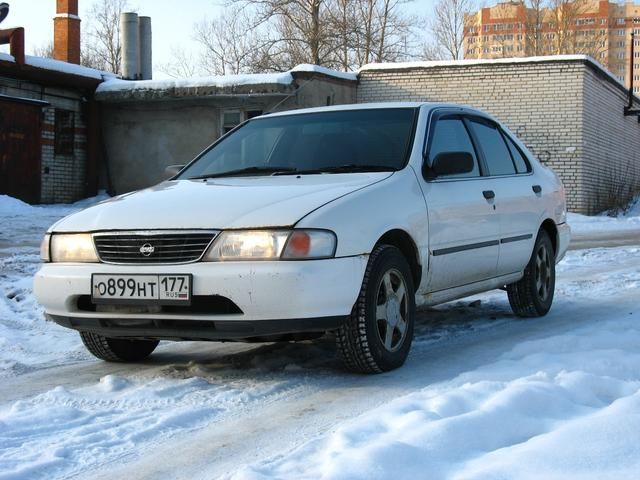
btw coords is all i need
(583, 224)
(483, 395)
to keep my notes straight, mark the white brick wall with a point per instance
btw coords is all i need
(569, 113)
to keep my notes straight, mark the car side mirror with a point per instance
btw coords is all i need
(451, 163)
(173, 170)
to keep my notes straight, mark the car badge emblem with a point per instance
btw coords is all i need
(147, 249)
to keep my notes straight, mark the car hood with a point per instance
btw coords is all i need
(221, 203)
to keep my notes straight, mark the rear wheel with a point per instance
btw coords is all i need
(377, 337)
(117, 349)
(532, 295)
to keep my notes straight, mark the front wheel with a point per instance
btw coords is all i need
(532, 295)
(117, 349)
(378, 334)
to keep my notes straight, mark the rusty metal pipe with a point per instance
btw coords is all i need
(15, 38)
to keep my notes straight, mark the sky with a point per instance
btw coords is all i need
(170, 27)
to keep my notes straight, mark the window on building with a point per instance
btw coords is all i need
(620, 44)
(253, 113)
(64, 132)
(620, 21)
(620, 55)
(621, 33)
(230, 119)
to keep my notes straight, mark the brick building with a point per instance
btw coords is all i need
(49, 122)
(598, 28)
(567, 109)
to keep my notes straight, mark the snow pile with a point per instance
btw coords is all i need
(564, 406)
(26, 340)
(629, 220)
(12, 207)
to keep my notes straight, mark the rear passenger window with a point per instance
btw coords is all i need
(522, 166)
(450, 135)
(495, 150)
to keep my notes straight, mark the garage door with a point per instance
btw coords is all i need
(20, 150)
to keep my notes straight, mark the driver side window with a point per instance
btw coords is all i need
(450, 135)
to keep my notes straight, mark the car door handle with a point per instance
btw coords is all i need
(488, 194)
(536, 188)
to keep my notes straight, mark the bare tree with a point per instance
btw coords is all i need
(448, 25)
(537, 42)
(45, 50)
(231, 43)
(182, 64)
(102, 49)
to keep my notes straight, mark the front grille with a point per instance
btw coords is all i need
(153, 247)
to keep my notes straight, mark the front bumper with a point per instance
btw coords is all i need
(299, 292)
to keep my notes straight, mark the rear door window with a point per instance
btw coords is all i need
(522, 166)
(493, 146)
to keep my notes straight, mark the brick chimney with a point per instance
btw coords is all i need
(66, 32)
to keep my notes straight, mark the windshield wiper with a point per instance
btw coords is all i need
(352, 167)
(244, 171)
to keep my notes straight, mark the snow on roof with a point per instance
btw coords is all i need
(488, 61)
(480, 61)
(306, 67)
(116, 85)
(221, 81)
(59, 66)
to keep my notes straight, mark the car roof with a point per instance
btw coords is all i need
(378, 105)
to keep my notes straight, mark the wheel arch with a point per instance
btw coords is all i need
(405, 243)
(550, 227)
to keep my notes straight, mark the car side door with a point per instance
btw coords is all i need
(463, 227)
(518, 205)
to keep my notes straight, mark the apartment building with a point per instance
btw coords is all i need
(601, 29)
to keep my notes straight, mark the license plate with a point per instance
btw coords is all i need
(141, 289)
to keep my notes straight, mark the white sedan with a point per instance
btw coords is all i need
(338, 219)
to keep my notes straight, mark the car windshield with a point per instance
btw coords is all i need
(323, 142)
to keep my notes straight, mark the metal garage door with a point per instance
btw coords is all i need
(20, 149)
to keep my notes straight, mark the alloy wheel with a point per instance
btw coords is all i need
(391, 310)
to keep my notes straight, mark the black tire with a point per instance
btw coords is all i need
(360, 340)
(117, 349)
(532, 295)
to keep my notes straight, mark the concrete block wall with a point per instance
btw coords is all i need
(565, 110)
(145, 131)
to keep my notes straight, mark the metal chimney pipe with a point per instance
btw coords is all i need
(129, 39)
(146, 59)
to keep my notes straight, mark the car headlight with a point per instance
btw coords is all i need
(72, 247)
(273, 245)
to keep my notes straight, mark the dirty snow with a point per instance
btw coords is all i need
(483, 395)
